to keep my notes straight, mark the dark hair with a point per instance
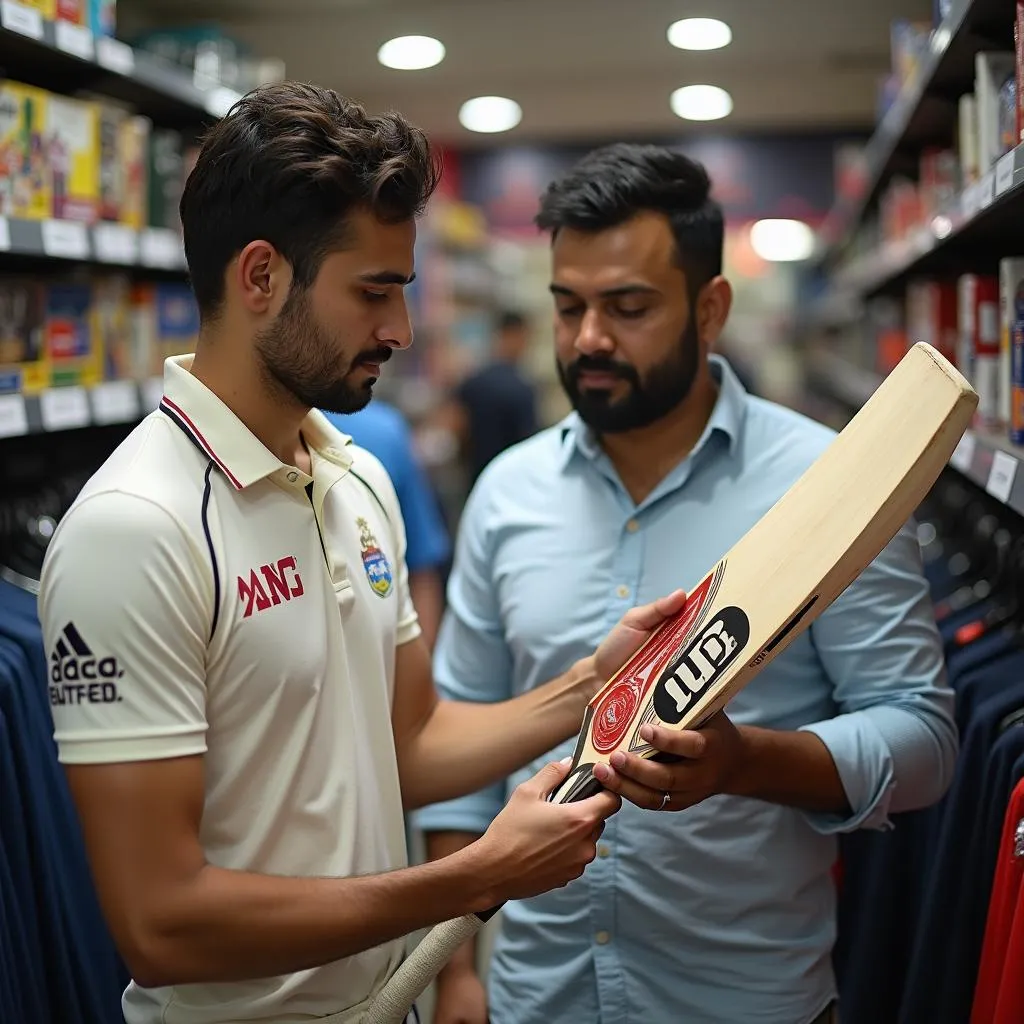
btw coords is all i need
(614, 183)
(289, 163)
(509, 319)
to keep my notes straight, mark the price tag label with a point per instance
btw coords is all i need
(64, 408)
(1000, 477)
(963, 454)
(26, 21)
(65, 239)
(969, 201)
(115, 56)
(115, 243)
(115, 401)
(75, 39)
(161, 247)
(987, 190)
(152, 392)
(13, 416)
(1004, 172)
(5, 234)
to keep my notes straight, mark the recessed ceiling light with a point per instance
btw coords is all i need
(699, 34)
(490, 114)
(701, 103)
(782, 241)
(411, 53)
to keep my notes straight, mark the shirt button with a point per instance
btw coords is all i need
(623, 591)
(602, 850)
(632, 526)
(293, 477)
(601, 938)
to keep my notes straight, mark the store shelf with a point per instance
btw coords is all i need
(986, 458)
(63, 57)
(72, 408)
(105, 243)
(925, 111)
(974, 234)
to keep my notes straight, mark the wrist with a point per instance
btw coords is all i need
(585, 680)
(478, 870)
(747, 763)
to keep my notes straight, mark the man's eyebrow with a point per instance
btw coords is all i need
(387, 277)
(609, 293)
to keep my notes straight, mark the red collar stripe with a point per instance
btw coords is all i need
(176, 413)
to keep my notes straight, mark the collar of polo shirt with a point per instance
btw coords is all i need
(239, 454)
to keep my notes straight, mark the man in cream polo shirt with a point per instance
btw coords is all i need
(242, 698)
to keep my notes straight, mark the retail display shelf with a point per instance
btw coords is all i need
(66, 58)
(925, 108)
(955, 241)
(986, 458)
(103, 243)
(75, 407)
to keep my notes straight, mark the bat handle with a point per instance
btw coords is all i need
(421, 966)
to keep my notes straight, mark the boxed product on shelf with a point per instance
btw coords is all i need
(74, 11)
(939, 181)
(932, 315)
(25, 186)
(909, 41)
(72, 352)
(166, 178)
(72, 149)
(1011, 308)
(992, 70)
(978, 355)
(166, 319)
(967, 138)
(1016, 426)
(103, 17)
(23, 366)
(123, 165)
(47, 8)
(1018, 51)
(125, 350)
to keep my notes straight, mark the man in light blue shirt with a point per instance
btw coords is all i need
(711, 900)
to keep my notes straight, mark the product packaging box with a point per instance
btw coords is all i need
(166, 321)
(978, 358)
(166, 178)
(125, 353)
(1011, 309)
(71, 350)
(75, 11)
(103, 17)
(23, 366)
(47, 8)
(134, 155)
(24, 162)
(72, 138)
(932, 315)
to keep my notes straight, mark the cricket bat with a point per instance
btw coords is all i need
(767, 589)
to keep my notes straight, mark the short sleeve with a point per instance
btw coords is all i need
(125, 605)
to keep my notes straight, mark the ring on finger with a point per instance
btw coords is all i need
(666, 799)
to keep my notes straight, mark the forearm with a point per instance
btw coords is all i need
(790, 768)
(464, 746)
(427, 595)
(440, 845)
(228, 925)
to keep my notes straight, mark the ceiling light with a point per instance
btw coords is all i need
(701, 103)
(411, 53)
(781, 241)
(699, 34)
(490, 114)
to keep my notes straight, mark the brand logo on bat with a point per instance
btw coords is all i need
(617, 705)
(718, 644)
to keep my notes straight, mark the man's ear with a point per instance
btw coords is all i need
(262, 278)
(713, 306)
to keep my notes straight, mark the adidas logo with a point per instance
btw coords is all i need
(77, 676)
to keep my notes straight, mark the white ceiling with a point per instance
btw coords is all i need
(581, 69)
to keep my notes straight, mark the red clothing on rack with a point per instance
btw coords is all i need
(999, 993)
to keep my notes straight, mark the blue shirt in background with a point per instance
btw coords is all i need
(382, 430)
(724, 912)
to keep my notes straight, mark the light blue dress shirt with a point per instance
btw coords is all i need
(723, 913)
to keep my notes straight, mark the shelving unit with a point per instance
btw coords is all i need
(979, 225)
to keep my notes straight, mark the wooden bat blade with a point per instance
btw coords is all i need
(771, 585)
(787, 569)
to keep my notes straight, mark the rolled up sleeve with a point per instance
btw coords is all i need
(472, 661)
(894, 740)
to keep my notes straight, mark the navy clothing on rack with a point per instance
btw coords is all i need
(68, 945)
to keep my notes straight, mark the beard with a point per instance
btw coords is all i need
(649, 398)
(298, 357)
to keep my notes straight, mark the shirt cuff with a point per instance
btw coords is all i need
(864, 762)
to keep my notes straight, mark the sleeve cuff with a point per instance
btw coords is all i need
(865, 767)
